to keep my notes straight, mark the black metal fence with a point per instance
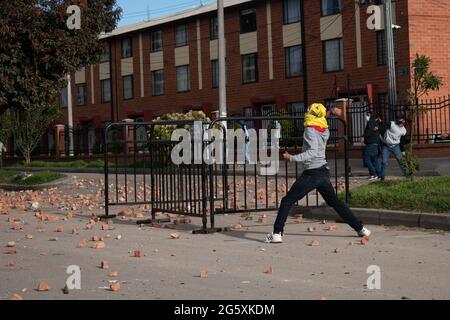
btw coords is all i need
(139, 169)
(432, 118)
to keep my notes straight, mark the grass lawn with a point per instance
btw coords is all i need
(422, 194)
(9, 177)
(62, 164)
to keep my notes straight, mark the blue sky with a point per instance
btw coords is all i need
(138, 10)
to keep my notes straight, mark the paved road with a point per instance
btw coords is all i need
(414, 263)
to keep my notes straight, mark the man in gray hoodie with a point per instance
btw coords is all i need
(391, 144)
(316, 175)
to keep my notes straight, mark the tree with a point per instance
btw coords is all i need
(423, 81)
(37, 49)
(5, 128)
(29, 127)
(164, 132)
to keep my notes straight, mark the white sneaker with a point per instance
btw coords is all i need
(364, 232)
(373, 178)
(273, 238)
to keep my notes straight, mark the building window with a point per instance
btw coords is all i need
(181, 36)
(297, 109)
(183, 81)
(382, 47)
(248, 20)
(105, 56)
(158, 82)
(215, 73)
(63, 101)
(156, 41)
(214, 28)
(127, 48)
(333, 53)
(293, 61)
(330, 7)
(249, 68)
(291, 9)
(106, 90)
(81, 94)
(128, 88)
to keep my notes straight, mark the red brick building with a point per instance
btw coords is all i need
(170, 64)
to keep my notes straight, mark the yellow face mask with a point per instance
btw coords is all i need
(316, 116)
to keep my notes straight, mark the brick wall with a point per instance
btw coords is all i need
(418, 29)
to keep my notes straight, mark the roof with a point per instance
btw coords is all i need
(174, 17)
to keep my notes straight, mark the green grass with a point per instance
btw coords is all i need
(96, 164)
(63, 164)
(7, 175)
(420, 195)
(51, 164)
(37, 178)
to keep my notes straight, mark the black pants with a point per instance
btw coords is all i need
(314, 179)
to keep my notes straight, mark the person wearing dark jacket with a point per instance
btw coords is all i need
(372, 141)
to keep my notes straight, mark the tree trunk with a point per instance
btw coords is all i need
(27, 156)
(414, 118)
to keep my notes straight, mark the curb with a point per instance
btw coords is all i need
(239, 172)
(383, 217)
(49, 185)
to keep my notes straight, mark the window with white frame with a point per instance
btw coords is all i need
(293, 61)
(128, 91)
(333, 54)
(291, 11)
(81, 94)
(249, 68)
(158, 82)
(183, 81)
(181, 36)
(156, 41)
(127, 48)
(106, 90)
(105, 56)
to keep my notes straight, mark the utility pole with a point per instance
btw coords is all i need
(222, 71)
(388, 26)
(305, 69)
(69, 115)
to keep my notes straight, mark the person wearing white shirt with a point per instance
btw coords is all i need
(391, 144)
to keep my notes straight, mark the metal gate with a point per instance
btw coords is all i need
(140, 171)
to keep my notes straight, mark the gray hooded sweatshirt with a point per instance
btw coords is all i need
(314, 149)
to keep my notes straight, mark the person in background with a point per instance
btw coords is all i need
(391, 140)
(278, 133)
(247, 141)
(364, 148)
(316, 174)
(2, 148)
(372, 142)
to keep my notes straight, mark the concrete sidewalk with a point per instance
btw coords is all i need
(429, 167)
